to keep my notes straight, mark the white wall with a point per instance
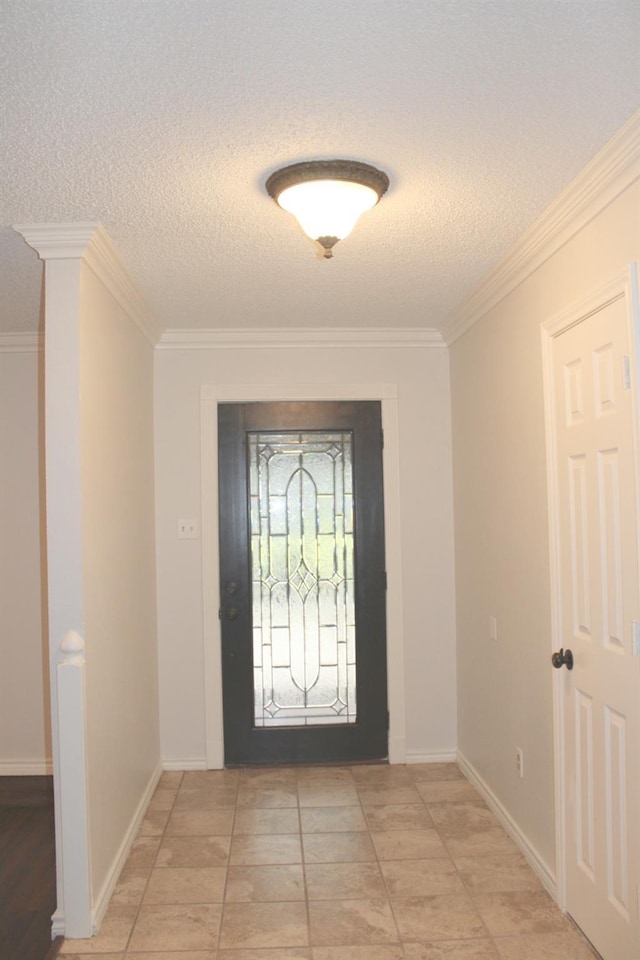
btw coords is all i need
(422, 379)
(118, 550)
(501, 533)
(25, 729)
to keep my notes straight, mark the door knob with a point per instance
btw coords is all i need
(231, 613)
(562, 658)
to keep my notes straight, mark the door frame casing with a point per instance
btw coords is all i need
(210, 397)
(625, 287)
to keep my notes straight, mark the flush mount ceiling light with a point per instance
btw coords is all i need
(327, 196)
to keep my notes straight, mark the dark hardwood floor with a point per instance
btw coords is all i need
(27, 868)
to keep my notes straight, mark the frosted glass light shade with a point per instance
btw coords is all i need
(327, 208)
(327, 196)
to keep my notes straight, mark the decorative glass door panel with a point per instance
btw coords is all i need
(302, 563)
(302, 582)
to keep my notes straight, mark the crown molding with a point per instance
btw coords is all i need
(27, 342)
(58, 241)
(281, 338)
(91, 243)
(611, 172)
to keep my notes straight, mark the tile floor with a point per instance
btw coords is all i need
(327, 863)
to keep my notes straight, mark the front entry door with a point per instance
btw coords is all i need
(599, 600)
(302, 582)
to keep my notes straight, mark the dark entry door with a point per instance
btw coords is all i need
(303, 583)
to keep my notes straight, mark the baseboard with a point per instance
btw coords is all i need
(57, 924)
(26, 768)
(431, 756)
(539, 866)
(186, 763)
(102, 900)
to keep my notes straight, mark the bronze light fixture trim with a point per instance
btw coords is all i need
(327, 196)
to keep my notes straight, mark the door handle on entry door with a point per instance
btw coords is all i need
(562, 658)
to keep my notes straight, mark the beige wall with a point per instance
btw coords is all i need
(118, 569)
(501, 533)
(422, 380)
(25, 729)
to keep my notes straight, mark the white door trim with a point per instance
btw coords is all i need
(210, 397)
(619, 287)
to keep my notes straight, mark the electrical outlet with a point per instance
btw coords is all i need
(520, 762)
(188, 530)
(493, 628)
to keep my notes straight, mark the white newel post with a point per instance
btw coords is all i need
(74, 787)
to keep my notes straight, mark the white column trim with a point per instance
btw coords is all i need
(210, 397)
(75, 848)
(91, 243)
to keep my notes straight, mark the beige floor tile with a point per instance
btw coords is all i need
(131, 885)
(400, 793)
(276, 776)
(332, 819)
(265, 883)
(194, 852)
(112, 937)
(186, 885)
(246, 925)
(327, 794)
(379, 774)
(143, 852)
(497, 874)
(447, 791)
(93, 956)
(176, 927)
(337, 847)
(545, 946)
(164, 798)
(154, 823)
(467, 815)
(434, 771)
(322, 774)
(174, 955)
(508, 914)
(207, 798)
(201, 823)
(389, 951)
(398, 816)
(209, 779)
(344, 881)
(275, 953)
(470, 830)
(170, 779)
(256, 795)
(273, 848)
(408, 844)
(492, 842)
(351, 922)
(452, 950)
(302, 880)
(451, 917)
(421, 878)
(256, 821)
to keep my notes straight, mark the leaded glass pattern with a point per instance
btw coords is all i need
(302, 558)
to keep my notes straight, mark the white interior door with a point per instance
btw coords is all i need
(598, 609)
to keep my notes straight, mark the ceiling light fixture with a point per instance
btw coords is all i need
(327, 196)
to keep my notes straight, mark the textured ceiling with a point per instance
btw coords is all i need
(163, 118)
